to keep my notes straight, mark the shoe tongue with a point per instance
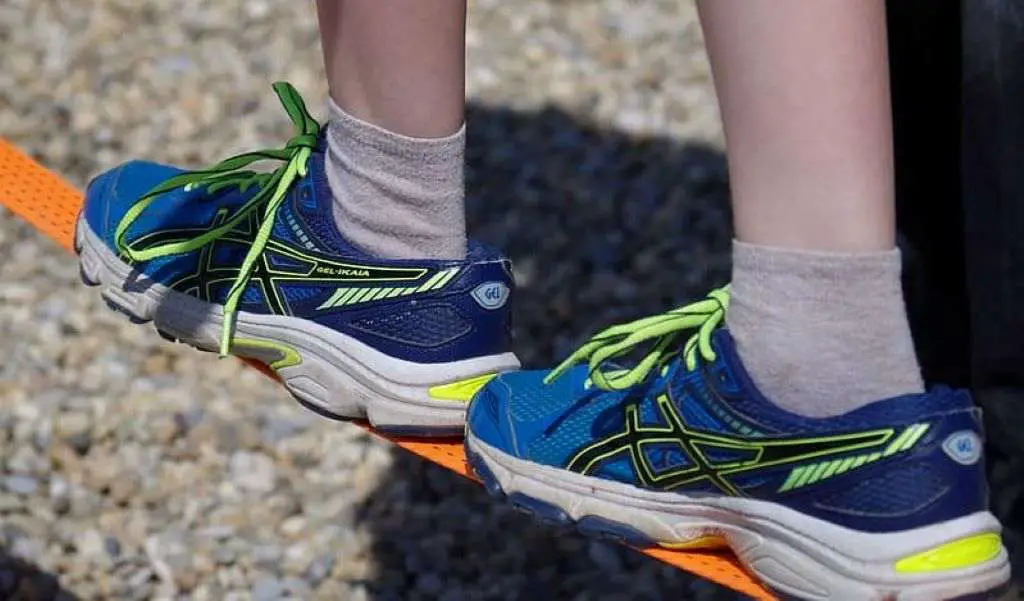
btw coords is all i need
(724, 345)
(314, 208)
(321, 140)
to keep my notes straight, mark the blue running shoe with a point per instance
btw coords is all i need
(251, 264)
(682, 451)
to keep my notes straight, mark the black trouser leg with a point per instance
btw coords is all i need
(960, 209)
(924, 42)
(993, 195)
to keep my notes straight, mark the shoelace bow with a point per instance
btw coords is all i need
(273, 187)
(662, 331)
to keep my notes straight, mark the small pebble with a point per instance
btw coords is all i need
(267, 589)
(22, 485)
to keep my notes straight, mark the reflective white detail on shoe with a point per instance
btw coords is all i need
(491, 295)
(963, 447)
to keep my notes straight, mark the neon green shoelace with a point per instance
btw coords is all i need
(662, 331)
(272, 186)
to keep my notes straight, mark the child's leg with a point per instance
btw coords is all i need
(396, 74)
(817, 308)
(397, 65)
(854, 505)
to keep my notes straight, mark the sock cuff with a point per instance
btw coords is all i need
(770, 259)
(806, 274)
(345, 127)
(822, 333)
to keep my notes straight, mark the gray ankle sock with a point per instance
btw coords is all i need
(822, 333)
(397, 197)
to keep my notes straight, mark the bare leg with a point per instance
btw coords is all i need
(398, 65)
(817, 309)
(396, 140)
(804, 90)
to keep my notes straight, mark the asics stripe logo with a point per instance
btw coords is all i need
(716, 458)
(344, 297)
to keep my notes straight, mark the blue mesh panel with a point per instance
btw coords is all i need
(315, 208)
(532, 403)
(612, 421)
(618, 468)
(489, 401)
(694, 412)
(900, 491)
(649, 414)
(252, 294)
(282, 231)
(534, 400)
(427, 326)
(168, 270)
(286, 263)
(227, 255)
(573, 431)
(300, 292)
(307, 200)
(665, 456)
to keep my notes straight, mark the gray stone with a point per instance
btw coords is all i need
(75, 429)
(296, 587)
(91, 544)
(224, 556)
(253, 471)
(320, 569)
(267, 556)
(26, 548)
(217, 533)
(21, 485)
(11, 502)
(112, 546)
(267, 589)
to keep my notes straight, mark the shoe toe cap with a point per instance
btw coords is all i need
(112, 193)
(516, 408)
(488, 417)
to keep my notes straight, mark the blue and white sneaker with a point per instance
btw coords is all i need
(251, 264)
(682, 451)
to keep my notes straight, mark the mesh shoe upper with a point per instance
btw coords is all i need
(418, 310)
(892, 465)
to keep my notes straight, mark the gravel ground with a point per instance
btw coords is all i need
(136, 469)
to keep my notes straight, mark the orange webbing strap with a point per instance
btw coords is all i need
(50, 204)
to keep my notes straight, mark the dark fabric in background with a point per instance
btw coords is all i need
(958, 101)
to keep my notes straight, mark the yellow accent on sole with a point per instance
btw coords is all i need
(257, 349)
(958, 554)
(704, 543)
(462, 390)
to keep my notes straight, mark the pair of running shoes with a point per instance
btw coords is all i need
(675, 448)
